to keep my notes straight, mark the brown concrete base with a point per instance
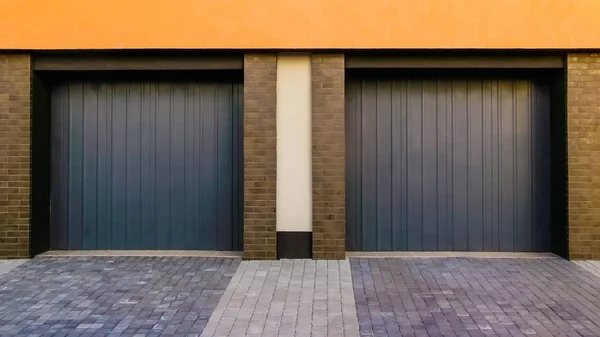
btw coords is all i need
(480, 255)
(153, 253)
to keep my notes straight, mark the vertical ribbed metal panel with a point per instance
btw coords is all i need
(146, 166)
(442, 165)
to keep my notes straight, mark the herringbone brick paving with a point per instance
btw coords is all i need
(8, 265)
(121, 296)
(475, 297)
(592, 266)
(192, 296)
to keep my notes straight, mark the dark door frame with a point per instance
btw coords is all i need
(464, 62)
(551, 67)
(51, 67)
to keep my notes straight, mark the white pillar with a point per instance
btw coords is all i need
(294, 143)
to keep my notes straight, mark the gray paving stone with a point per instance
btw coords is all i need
(8, 265)
(112, 296)
(287, 298)
(476, 297)
(592, 266)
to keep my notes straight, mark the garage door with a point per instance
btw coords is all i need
(146, 165)
(448, 165)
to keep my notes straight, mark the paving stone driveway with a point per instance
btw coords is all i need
(177, 296)
(118, 296)
(300, 298)
(8, 265)
(475, 297)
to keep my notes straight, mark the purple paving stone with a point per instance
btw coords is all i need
(476, 297)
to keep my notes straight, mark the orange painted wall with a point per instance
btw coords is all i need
(285, 24)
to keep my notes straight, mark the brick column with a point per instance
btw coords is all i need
(583, 138)
(15, 135)
(328, 156)
(260, 156)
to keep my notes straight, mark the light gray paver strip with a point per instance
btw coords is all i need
(8, 265)
(287, 298)
(475, 297)
(592, 266)
(112, 296)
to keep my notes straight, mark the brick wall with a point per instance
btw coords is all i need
(260, 155)
(583, 137)
(329, 191)
(15, 84)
